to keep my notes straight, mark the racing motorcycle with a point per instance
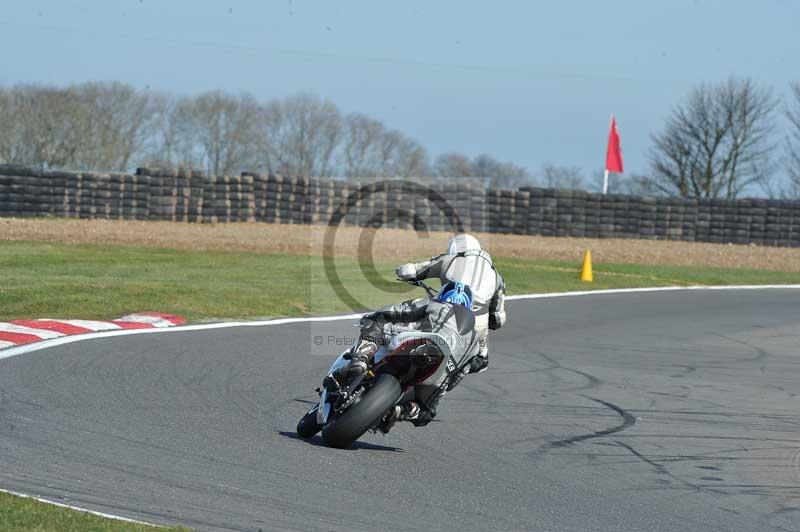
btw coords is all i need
(348, 408)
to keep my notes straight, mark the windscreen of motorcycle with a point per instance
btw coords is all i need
(340, 362)
(381, 353)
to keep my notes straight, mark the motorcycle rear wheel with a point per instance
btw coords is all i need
(366, 413)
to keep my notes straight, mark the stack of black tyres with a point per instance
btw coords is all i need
(477, 209)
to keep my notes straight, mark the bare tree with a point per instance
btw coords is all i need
(368, 148)
(116, 123)
(90, 126)
(172, 141)
(298, 136)
(409, 158)
(717, 143)
(490, 171)
(361, 152)
(220, 129)
(10, 118)
(453, 165)
(499, 174)
(793, 140)
(553, 176)
(44, 126)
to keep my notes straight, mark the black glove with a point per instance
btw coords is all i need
(372, 328)
(372, 316)
(493, 323)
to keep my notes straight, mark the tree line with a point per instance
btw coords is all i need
(113, 126)
(721, 140)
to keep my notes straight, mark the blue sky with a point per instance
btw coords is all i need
(528, 82)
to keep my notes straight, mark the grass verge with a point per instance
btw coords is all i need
(40, 279)
(20, 514)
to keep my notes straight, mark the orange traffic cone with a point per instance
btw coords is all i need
(586, 270)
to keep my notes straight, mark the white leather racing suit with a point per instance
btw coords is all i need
(475, 269)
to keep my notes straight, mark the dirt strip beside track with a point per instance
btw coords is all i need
(390, 243)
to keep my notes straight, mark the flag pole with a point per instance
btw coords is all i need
(605, 175)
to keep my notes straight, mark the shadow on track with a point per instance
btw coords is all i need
(317, 441)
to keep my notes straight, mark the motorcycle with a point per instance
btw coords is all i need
(348, 408)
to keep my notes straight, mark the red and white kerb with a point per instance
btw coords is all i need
(18, 332)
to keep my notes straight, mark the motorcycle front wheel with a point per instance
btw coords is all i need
(308, 426)
(366, 413)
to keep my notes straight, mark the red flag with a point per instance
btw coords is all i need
(614, 150)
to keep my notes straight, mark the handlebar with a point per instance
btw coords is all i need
(432, 292)
(416, 282)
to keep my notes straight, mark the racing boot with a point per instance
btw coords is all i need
(479, 363)
(456, 377)
(403, 412)
(360, 355)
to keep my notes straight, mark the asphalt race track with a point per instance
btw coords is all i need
(649, 411)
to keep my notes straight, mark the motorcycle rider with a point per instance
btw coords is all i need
(467, 263)
(449, 315)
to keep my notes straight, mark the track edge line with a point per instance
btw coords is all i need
(45, 344)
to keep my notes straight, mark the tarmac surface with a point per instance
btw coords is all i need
(664, 411)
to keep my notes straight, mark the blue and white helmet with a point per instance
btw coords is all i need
(457, 294)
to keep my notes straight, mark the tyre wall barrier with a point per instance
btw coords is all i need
(190, 196)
